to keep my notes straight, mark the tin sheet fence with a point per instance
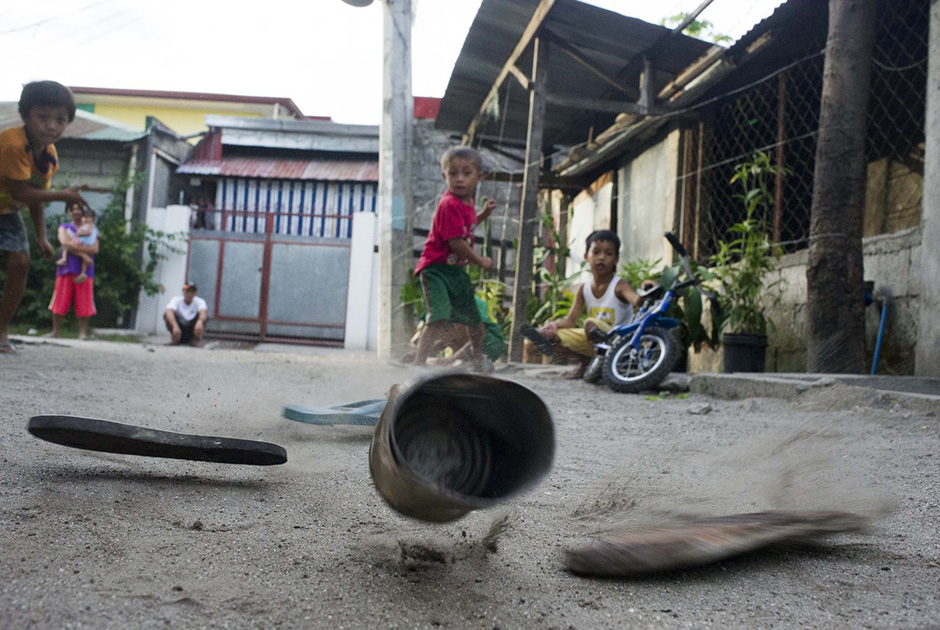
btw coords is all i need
(266, 285)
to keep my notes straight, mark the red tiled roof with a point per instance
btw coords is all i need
(267, 168)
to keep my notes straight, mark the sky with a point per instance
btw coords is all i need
(323, 54)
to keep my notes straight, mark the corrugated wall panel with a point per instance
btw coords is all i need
(301, 208)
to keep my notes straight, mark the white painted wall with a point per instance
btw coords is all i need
(363, 296)
(646, 205)
(589, 212)
(171, 273)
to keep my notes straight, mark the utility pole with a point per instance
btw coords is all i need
(396, 179)
(835, 302)
(396, 183)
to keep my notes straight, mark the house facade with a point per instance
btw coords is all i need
(183, 112)
(763, 94)
(270, 208)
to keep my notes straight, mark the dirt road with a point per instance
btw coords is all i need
(99, 541)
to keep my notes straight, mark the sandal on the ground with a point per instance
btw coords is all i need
(7, 348)
(541, 342)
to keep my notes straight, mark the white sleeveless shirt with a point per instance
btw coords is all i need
(608, 308)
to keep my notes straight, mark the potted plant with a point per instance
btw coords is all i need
(744, 266)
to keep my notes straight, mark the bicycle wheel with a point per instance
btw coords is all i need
(629, 370)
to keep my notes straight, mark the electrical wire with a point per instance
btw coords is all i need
(25, 27)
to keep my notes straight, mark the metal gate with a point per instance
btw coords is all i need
(266, 286)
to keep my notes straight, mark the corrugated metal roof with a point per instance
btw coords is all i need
(795, 28)
(268, 168)
(611, 43)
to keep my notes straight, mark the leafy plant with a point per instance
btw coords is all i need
(743, 264)
(555, 298)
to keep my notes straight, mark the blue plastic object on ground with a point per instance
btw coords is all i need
(881, 334)
(363, 412)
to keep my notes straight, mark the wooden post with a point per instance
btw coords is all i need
(396, 188)
(698, 192)
(688, 188)
(781, 137)
(528, 221)
(563, 229)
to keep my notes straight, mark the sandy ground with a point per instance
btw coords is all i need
(94, 540)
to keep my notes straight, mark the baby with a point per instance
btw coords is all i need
(87, 234)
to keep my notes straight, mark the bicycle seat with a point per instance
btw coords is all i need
(652, 293)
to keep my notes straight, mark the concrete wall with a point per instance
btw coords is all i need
(170, 273)
(893, 262)
(590, 211)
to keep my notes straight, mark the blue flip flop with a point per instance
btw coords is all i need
(363, 412)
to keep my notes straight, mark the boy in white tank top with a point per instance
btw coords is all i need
(607, 299)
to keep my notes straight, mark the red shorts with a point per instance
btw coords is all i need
(66, 289)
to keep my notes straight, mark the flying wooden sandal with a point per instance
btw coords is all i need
(541, 342)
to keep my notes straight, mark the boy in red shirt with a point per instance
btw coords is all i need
(448, 292)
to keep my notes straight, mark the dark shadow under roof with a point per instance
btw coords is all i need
(580, 36)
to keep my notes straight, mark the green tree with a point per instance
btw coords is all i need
(701, 29)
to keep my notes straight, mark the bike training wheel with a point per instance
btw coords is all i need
(629, 371)
(595, 369)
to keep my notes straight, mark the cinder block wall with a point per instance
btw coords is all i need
(892, 261)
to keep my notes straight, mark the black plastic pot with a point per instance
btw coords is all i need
(744, 352)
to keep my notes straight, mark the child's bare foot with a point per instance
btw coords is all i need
(80, 278)
(576, 373)
(61, 262)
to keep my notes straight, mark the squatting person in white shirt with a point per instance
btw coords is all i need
(186, 317)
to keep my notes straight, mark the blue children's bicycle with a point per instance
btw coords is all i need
(638, 356)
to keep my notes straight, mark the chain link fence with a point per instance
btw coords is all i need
(780, 115)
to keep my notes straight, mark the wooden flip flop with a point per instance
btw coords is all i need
(127, 439)
(633, 552)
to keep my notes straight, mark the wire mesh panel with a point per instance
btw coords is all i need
(780, 115)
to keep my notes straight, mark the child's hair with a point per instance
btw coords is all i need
(89, 212)
(461, 153)
(602, 235)
(48, 94)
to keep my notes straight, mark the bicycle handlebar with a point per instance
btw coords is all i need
(676, 245)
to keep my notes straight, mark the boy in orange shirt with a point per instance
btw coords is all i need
(28, 160)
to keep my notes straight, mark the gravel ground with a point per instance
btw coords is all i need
(94, 540)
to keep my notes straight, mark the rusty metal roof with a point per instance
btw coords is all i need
(297, 169)
(594, 54)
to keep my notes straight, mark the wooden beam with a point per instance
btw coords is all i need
(575, 54)
(520, 76)
(646, 90)
(538, 16)
(594, 104)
